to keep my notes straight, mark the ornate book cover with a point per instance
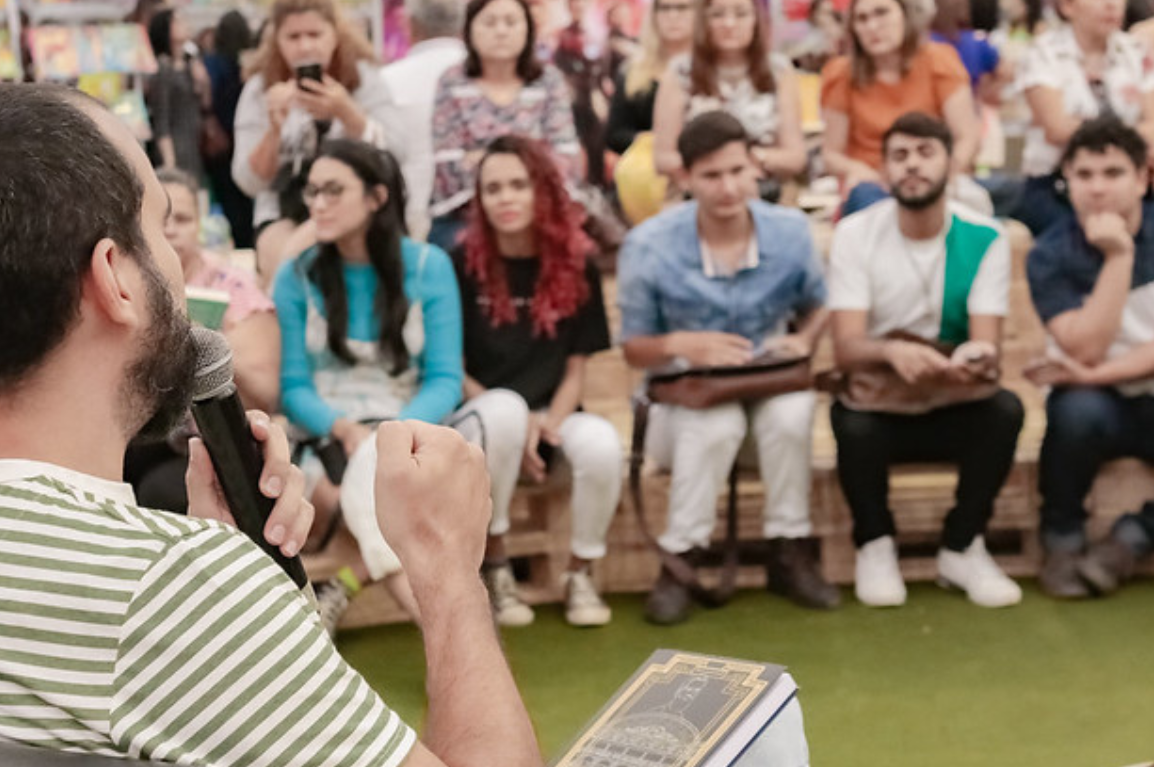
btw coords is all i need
(683, 710)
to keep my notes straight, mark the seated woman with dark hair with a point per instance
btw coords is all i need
(371, 330)
(533, 312)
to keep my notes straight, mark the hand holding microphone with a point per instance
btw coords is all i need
(249, 482)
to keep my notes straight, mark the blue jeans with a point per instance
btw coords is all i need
(1085, 428)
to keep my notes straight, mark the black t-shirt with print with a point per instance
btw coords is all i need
(512, 356)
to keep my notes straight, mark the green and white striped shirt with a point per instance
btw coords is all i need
(125, 631)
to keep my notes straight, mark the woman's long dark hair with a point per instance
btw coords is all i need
(528, 67)
(374, 167)
(160, 32)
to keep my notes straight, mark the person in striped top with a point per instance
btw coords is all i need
(134, 633)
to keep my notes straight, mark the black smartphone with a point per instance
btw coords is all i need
(546, 452)
(310, 72)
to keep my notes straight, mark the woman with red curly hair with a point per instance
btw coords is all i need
(533, 313)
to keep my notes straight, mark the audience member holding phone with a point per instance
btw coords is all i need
(313, 77)
(533, 311)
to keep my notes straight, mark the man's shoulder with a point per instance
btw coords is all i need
(779, 215)
(864, 225)
(1060, 244)
(976, 224)
(673, 221)
(61, 505)
(778, 226)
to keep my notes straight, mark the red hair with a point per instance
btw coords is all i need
(562, 245)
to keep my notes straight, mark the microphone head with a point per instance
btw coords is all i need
(213, 375)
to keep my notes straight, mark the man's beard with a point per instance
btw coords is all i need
(158, 384)
(924, 200)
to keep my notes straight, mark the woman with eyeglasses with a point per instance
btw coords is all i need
(370, 330)
(731, 68)
(1077, 71)
(501, 88)
(891, 70)
(667, 31)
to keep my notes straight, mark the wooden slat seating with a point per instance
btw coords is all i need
(920, 495)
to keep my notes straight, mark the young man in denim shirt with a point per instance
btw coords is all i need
(714, 282)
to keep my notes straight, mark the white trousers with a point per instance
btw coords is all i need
(589, 444)
(498, 421)
(593, 449)
(700, 446)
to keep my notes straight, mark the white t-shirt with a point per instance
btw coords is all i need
(901, 282)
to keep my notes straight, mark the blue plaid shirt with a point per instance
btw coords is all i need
(662, 285)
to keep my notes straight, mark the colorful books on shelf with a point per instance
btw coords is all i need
(9, 61)
(683, 709)
(66, 52)
(125, 103)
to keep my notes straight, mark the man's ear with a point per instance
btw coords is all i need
(115, 286)
(681, 179)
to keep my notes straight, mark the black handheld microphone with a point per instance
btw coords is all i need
(235, 454)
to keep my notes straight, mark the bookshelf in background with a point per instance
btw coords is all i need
(10, 50)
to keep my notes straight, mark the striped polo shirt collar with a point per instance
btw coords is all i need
(15, 469)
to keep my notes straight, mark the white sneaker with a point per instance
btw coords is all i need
(975, 572)
(877, 577)
(583, 605)
(508, 609)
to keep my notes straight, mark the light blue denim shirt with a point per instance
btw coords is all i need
(662, 286)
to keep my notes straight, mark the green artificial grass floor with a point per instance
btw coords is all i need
(937, 682)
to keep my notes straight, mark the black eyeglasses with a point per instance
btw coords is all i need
(673, 8)
(331, 192)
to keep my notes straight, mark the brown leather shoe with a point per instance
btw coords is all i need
(1059, 577)
(792, 571)
(1107, 565)
(669, 601)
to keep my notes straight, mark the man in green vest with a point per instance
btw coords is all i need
(919, 287)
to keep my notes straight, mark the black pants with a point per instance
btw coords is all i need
(980, 437)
